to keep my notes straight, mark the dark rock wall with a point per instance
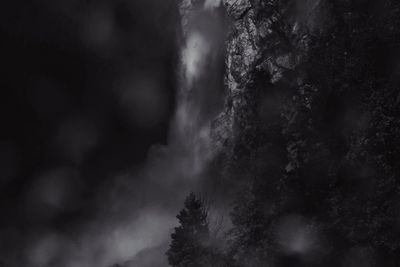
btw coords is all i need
(312, 122)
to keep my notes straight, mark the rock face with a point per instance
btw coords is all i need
(285, 58)
(310, 124)
(309, 115)
(309, 132)
(267, 43)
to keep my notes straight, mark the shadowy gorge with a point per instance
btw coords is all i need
(198, 133)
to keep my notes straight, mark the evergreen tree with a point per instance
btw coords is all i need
(189, 240)
(340, 127)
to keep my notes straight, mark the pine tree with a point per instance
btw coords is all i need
(189, 240)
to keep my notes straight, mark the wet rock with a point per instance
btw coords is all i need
(237, 8)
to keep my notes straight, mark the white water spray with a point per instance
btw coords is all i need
(192, 125)
(143, 204)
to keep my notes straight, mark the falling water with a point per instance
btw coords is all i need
(199, 95)
(177, 168)
(143, 204)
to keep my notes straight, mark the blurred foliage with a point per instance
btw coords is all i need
(316, 132)
(338, 122)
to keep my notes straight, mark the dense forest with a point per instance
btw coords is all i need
(200, 133)
(313, 107)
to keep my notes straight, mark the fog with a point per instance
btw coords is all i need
(131, 210)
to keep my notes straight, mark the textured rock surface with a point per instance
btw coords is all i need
(310, 97)
(267, 42)
(310, 131)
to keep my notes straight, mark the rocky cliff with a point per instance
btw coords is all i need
(309, 131)
(310, 123)
(267, 47)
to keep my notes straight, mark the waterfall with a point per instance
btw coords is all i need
(138, 208)
(199, 94)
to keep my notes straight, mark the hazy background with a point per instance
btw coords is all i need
(105, 114)
(87, 88)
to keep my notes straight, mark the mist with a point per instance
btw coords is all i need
(132, 209)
